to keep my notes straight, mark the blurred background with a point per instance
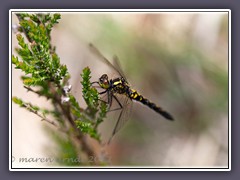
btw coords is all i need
(178, 60)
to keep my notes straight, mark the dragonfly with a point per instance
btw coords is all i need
(120, 86)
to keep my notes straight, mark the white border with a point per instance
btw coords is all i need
(229, 89)
(119, 168)
(10, 89)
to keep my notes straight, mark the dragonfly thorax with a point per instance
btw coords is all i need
(119, 85)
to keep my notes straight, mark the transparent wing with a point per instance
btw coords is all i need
(123, 116)
(105, 60)
(116, 64)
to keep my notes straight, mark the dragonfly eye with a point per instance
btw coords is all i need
(103, 81)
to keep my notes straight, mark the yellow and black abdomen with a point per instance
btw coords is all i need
(133, 94)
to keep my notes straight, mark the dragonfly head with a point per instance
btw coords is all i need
(103, 81)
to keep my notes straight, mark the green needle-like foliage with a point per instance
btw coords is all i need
(45, 76)
(38, 58)
(90, 94)
(87, 122)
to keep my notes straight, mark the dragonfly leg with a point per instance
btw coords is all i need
(118, 121)
(102, 101)
(120, 105)
(109, 99)
(97, 87)
(95, 82)
(103, 92)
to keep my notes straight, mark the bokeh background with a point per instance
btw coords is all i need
(179, 60)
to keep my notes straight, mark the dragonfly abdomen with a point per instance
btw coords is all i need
(133, 94)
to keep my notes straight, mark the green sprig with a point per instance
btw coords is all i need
(90, 94)
(42, 68)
